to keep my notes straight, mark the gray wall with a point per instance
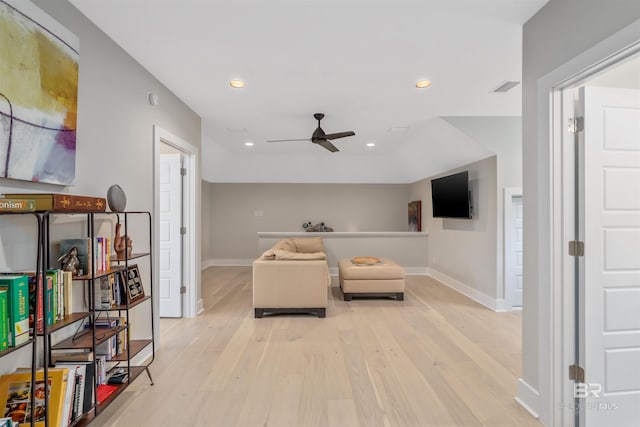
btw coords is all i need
(115, 122)
(465, 250)
(551, 40)
(205, 252)
(345, 207)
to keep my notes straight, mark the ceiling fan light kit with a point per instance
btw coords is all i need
(319, 137)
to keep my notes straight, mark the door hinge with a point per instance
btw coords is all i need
(576, 373)
(576, 124)
(183, 171)
(576, 248)
(183, 230)
(183, 289)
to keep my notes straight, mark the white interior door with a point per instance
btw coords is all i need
(611, 277)
(170, 252)
(513, 251)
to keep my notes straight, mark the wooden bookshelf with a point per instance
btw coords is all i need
(100, 273)
(135, 347)
(85, 339)
(88, 339)
(18, 347)
(114, 258)
(68, 320)
(124, 307)
(135, 372)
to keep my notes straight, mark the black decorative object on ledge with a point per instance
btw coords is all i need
(318, 228)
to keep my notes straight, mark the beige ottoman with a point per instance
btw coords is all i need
(384, 279)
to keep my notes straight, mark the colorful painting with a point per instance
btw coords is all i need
(38, 95)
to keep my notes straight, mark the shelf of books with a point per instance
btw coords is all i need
(77, 298)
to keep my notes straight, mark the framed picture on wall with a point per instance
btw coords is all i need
(415, 215)
(133, 284)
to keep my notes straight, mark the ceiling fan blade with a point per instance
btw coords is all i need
(288, 140)
(339, 135)
(326, 144)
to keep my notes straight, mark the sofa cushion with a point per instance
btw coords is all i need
(282, 255)
(308, 244)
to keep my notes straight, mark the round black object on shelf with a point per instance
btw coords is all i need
(116, 198)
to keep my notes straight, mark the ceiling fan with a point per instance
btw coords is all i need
(321, 138)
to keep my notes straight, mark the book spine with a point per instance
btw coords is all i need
(4, 320)
(49, 294)
(17, 205)
(67, 202)
(17, 288)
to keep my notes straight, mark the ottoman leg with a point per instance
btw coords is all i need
(259, 312)
(400, 296)
(322, 313)
(348, 297)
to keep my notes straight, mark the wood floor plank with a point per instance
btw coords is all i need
(435, 359)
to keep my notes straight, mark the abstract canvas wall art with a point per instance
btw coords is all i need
(38, 95)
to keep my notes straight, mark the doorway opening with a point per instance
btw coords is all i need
(175, 214)
(597, 156)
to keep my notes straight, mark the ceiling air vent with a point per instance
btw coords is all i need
(505, 86)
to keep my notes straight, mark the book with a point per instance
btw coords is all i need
(36, 314)
(8, 422)
(104, 391)
(69, 381)
(85, 252)
(63, 202)
(15, 393)
(71, 356)
(52, 298)
(67, 281)
(4, 320)
(18, 305)
(17, 205)
(84, 394)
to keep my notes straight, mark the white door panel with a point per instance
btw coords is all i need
(611, 277)
(170, 259)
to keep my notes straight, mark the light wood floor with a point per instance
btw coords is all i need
(436, 359)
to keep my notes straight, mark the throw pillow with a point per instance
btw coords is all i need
(308, 244)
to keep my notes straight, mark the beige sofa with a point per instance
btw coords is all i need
(292, 277)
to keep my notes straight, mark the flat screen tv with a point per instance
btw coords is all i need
(451, 196)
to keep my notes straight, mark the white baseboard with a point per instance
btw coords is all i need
(199, 306)
(416, 271)
(226, 262)
(463, 288)
(528, 398)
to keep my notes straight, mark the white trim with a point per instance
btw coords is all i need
(339, 234)
(507, 253)
(227, 262)
(191, 255)
(479, 297)
(528, 398)
(200, 306)
(551, 326)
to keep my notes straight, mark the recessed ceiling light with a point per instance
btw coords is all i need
(423, 83)
(371, 144)
(236, 83)
(249, 144)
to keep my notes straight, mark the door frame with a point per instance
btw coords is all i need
(555, 310)
(191, 190)
(509, 212)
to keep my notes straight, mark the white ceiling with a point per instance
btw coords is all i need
(356, 61)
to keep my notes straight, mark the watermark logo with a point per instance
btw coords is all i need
(584, 390)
